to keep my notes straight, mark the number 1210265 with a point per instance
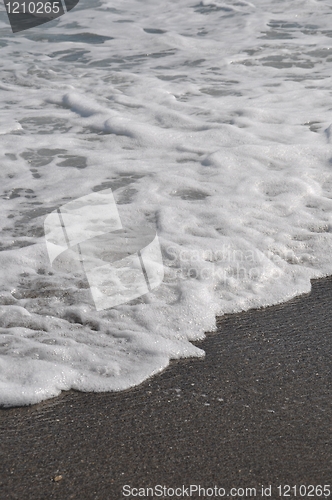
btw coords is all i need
(303, 490)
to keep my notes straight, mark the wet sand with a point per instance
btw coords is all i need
(256, 410)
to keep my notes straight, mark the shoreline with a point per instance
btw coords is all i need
(255, 411)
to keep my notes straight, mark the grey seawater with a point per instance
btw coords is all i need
(210, 123)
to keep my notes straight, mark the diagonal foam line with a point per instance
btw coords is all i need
(144, 271)
(64, 6)
(63, 227)
(67, 239)
(81, 257)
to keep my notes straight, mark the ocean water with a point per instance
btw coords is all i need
(210, 122)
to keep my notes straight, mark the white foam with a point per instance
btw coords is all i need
(211, 125)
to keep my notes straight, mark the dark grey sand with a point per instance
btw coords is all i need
(256, 411)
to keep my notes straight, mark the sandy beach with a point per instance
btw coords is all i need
(163, 163)
(256, 411)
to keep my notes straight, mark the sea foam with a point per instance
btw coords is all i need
(211, 124)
